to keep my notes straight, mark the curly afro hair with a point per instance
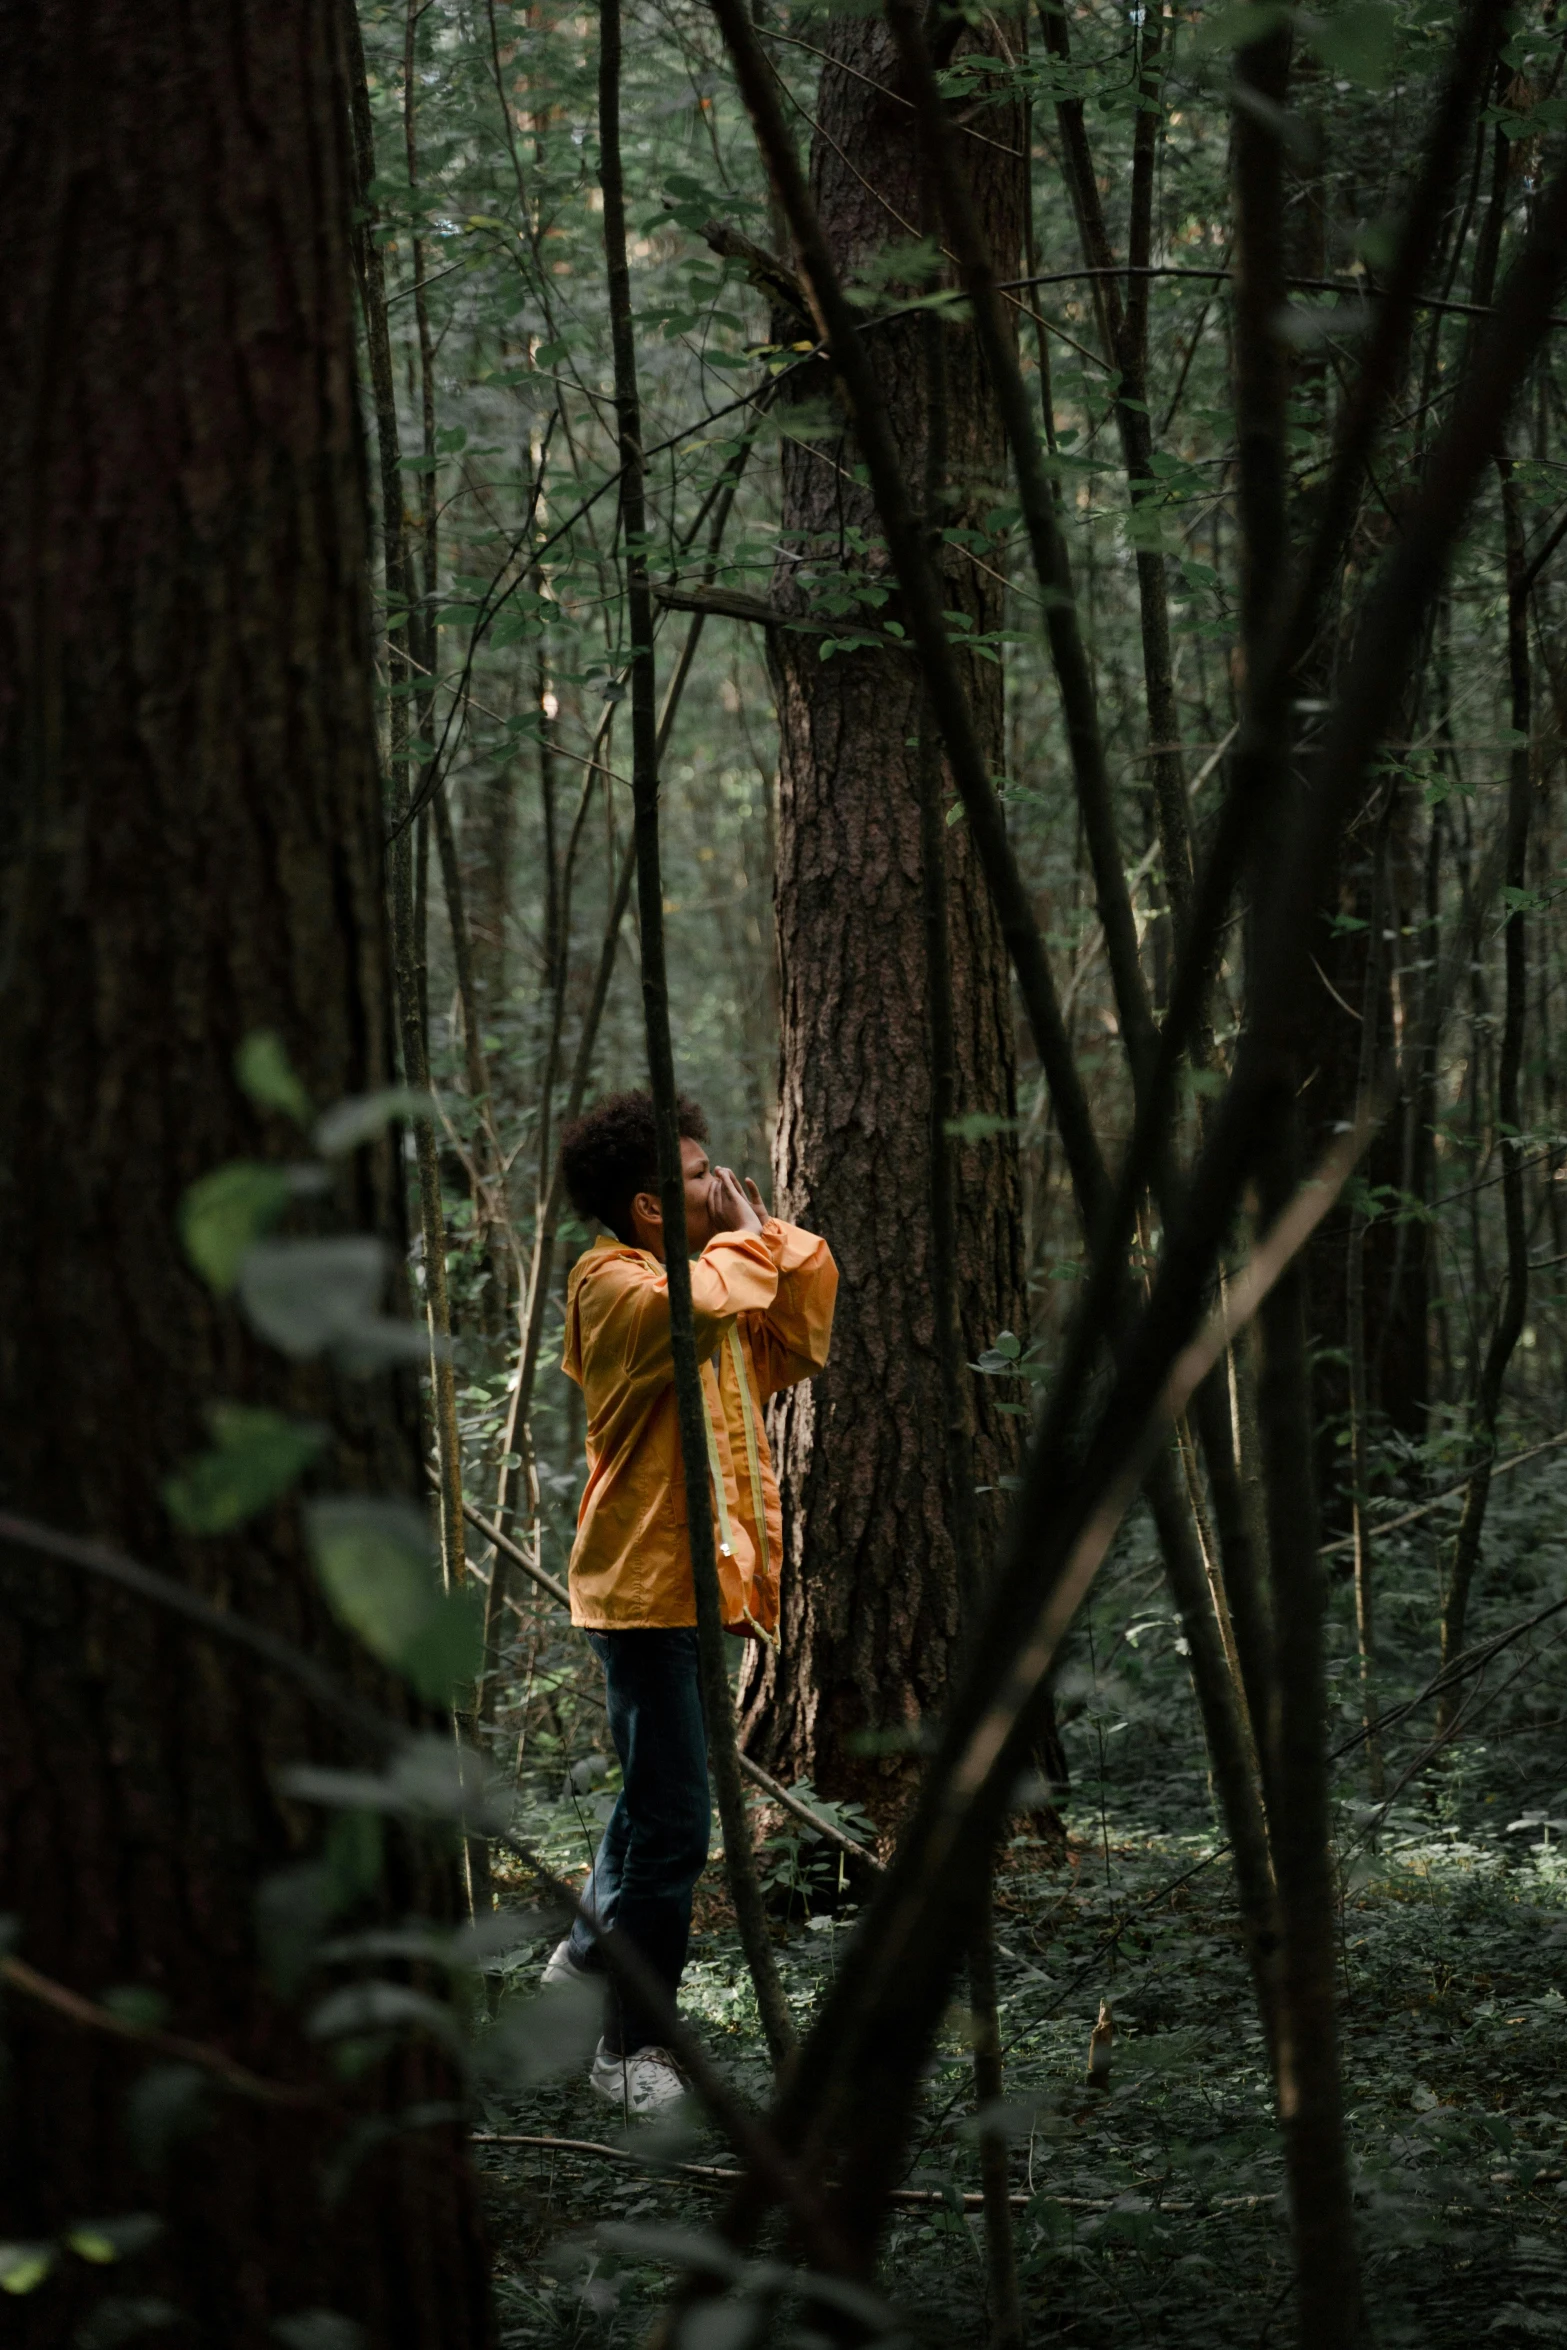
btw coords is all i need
(611, 1153)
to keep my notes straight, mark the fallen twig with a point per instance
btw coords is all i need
(1425, 1508)
(714, 2175)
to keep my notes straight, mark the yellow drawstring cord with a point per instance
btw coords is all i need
(753, 1463)
(726, 1539)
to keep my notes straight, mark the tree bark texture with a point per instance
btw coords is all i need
(871, 1590)
(189, 851)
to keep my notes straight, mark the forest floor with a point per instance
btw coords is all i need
(1155, 2212)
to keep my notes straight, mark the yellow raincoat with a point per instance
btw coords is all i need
(763, 1306)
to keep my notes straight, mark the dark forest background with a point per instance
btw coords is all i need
(1041, 531)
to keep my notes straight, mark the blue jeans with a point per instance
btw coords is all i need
(655, 1844)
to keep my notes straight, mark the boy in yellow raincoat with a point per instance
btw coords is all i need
(762, 1295)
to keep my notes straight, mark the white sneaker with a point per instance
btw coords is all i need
(561, 1967)
(645, 2083)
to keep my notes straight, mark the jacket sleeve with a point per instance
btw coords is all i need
(735, 1274)
(790, 1337)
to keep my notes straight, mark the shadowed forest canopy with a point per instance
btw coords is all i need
(981, 591)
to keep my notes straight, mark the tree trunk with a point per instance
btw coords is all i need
(1355, 982)
(871, 1601)
(190, 851)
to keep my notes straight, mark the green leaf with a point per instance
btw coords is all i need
(512, 628)
(307, 1295)
(1151, 527)
(377, 1568)
(486, 1939)
(537, 2039)
(103, 2241)
(263, 1069)
(362, 1116)
(438, 1946)
(257, 1455)
(551, 354)
(377, 2006)
(428, 1778)
(225, 1213)
(1004, 1359)
(23, 2267)
(304, 1294)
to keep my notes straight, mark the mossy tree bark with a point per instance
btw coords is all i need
(190, 851)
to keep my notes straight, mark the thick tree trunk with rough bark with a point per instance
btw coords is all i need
(871, 1613)
(189, 851)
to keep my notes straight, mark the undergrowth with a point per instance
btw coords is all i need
(1154, 2209)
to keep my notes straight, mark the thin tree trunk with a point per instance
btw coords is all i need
(462, 963)
(433, 802)
(1047, 408)
(739, 1857)
(1006, 2313)
(1124, 329)
(407, 956)
(1006, 2299)
(1221, 1700)
(1509, 1106)
(1327, 2284)
(557, 917)
(1230, 1451)
(1355, 1322)
(421, 930)
(406, 901)
(370, 266)
(1327, 2288)
(432, 1214)
(427, 633)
